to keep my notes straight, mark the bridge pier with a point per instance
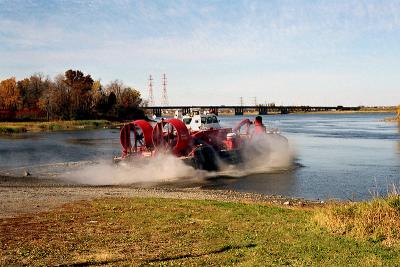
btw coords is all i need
(185, 110)
(157, 112)
(262, 110)
(214, 110)
(239, 111)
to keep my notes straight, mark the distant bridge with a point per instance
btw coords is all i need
(239, 110)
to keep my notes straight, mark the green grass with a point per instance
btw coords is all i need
(151, 231)
(17, 127)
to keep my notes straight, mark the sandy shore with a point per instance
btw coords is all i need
(23, 195)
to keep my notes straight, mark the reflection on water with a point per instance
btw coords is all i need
(344, 156)
(29, 136)
(91, 141)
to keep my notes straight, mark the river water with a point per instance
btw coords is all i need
(352, 156)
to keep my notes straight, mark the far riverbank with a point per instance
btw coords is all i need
(40, 126)
(59, 125)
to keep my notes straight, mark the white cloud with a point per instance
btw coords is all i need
(141, 36)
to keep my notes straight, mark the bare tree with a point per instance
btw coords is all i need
(116, 86)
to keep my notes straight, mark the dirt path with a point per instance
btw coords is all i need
(22, 195)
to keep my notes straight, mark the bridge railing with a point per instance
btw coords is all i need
(240, 110)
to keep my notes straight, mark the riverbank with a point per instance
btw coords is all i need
(20, 127)
(393, 119)
(22, 195)
(55, 223)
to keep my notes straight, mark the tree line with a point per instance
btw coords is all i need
(72, 95)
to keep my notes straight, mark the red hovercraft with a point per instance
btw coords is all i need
(197, 139)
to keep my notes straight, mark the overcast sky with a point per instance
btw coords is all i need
(213, 52)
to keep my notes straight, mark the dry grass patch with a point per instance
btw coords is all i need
(377, 220)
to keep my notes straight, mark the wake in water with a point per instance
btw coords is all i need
(264, 154)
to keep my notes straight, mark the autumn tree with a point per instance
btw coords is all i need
(112, 99)
(129, 102)
(9, 94)
(57, 99)
(23, 87)
(44, 101)
(130, 98)
(101, 103)
(38, 84)
(72, 95)
(32, 89)
(97, 92)
(80, 93)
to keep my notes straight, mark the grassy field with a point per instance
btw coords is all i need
(152, 231)
(18, 127)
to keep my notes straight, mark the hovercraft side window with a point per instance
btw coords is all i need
(187, 120)
(203, 120)
(214, 119)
